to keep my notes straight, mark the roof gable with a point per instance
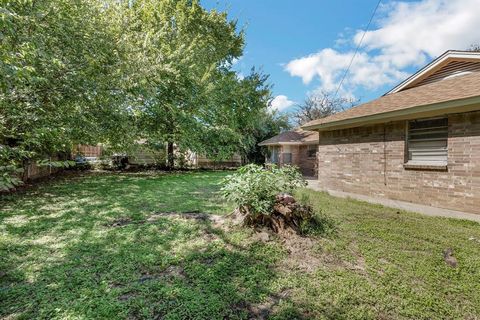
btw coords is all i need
(448, 65)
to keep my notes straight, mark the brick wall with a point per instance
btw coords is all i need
(369, 160)
(306, 163)
(299, 158)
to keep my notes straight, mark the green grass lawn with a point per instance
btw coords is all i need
(101, 246)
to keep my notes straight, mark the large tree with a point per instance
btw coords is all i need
(177, 51)
(116, 72)
(474, 47)
(59, 64)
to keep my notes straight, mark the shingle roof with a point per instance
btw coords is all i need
(294, 136)
(457, 88)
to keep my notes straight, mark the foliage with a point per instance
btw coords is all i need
(254, 188)
(56, 164)
(321, 105)
(118, 72)
(269, 123)
(238, 118)
(58, 73)
(181, 53)
(475, 47)
(9, 177)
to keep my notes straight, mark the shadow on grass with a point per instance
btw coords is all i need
(63, 256)
(161, 269)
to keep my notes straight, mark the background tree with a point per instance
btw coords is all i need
(177, 51)
(269, 124)
(474, 47)
(321, 105)
(241, 109)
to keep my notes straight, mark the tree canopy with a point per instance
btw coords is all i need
(321, 105)
(116, 72)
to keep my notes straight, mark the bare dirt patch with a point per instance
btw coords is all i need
(215, 220)
(194, 215)
(170, 273)
(301, 254)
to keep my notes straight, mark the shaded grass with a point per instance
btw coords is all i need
(61, 257)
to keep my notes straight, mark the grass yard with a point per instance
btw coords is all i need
(111, 246)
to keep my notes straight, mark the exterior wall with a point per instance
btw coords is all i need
(306, 163)
(370, 161)
(300, 158)
(451, 69)
(144, 156)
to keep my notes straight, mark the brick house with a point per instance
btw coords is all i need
(296, 147)
(418, 143)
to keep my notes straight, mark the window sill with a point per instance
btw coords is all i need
(425, 166)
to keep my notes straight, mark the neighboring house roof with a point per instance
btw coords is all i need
(454, 93)
(297, 136)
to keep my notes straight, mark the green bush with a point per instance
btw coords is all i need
(9, 177)
(254, 188)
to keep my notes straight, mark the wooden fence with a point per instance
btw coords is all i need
(88, 151)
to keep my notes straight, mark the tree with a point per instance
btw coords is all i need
(270, 123)
(58, 74)
(177, 51)
(116, 72)
(320, 106)
(239, 114)
(474, 47)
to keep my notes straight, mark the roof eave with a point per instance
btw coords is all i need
(293, 143)
(452, 106)
(451, 54)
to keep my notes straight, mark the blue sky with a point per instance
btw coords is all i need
(305, 45)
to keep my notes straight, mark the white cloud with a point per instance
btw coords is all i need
(407, 35)
(329, 65)
(281, 103)
(409, 32)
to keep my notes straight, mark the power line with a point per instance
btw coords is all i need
(358, 47)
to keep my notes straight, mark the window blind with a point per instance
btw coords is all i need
(427, 141)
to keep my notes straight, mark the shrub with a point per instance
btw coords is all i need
(254, 188)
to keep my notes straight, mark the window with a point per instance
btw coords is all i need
(312, 150)
(427, 142)
(274, 155)
(287, 158)
(286, 154)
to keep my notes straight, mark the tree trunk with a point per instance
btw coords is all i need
(287, 216)
(170, 156)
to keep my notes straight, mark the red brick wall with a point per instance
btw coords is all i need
(369, 160)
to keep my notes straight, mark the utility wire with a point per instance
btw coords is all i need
(356, 50)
